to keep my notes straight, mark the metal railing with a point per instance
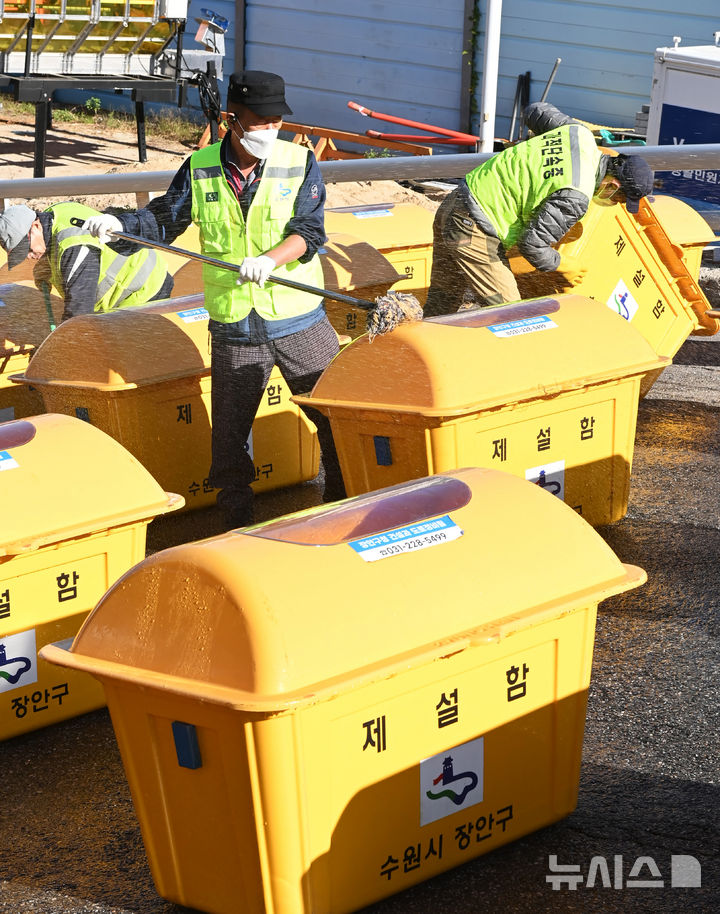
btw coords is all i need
(395, 168)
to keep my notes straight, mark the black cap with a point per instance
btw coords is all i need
(635, 176)
(263, 93)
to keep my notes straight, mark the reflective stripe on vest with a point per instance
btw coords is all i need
(511, 185)
(225, 235)
(134, 283)
(123, 281)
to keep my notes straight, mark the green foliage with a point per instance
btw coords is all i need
(92, 106)
(169, 124)
(172, 125)
(474, 41)
(11, 107)
(63, 116)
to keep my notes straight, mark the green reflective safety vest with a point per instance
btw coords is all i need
(511, 185)
(225, 235)
(124, 280)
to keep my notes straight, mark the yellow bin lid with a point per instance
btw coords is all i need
(385, 225)
(64, 478)
(469, 556)
(486, 358)
(350, 264)
(683, 225)
(125, 349)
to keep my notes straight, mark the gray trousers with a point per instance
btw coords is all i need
(240, 373)
(469, 268)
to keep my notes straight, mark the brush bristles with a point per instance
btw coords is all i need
(390, 310)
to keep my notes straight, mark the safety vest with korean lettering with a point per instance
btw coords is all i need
(511, 185)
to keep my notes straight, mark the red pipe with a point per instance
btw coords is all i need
(411, 138)
(418, 125)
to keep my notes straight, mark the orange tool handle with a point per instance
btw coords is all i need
(417, 125)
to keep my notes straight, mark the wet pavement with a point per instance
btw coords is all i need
(650, 783)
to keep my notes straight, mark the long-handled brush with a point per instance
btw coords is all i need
(385, 313)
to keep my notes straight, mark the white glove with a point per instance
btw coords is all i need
(256, 269)
(103, 226)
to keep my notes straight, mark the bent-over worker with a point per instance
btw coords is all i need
(88, 275)
(529, 195)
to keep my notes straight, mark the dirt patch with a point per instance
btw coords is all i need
(83, 149)
(364, 192)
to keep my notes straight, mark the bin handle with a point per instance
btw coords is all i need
(386, 312)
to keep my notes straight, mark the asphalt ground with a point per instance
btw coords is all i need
(650, 782)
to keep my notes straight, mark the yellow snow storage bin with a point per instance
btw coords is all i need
(353, 267)
(686, 229)
(75, 508)
(25, 321)
(314, 749)
(28, 315)
(143, 376)
(402, 232)
(545, 389)
(642, 267)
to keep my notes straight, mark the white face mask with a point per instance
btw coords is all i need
(258, 143)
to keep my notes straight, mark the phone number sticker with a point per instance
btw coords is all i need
(7, 461)
(372, 213)
(195, 314)
(407, 539)
(520, 327)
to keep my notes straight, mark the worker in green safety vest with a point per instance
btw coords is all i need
(258, 202)
(529, 195)
(88, 275)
